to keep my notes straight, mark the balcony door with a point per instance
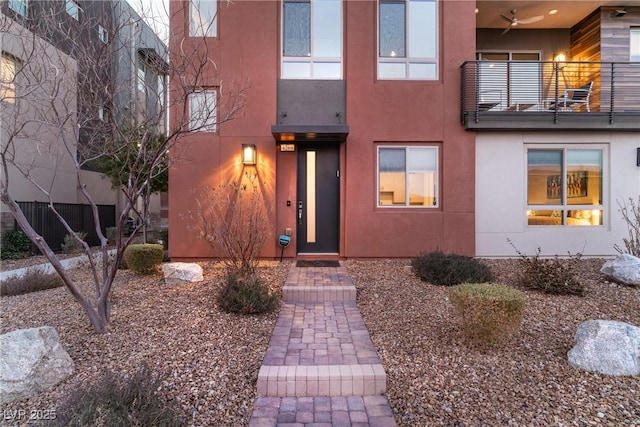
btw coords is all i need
(509, 80)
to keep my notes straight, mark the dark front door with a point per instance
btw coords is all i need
(318, 203)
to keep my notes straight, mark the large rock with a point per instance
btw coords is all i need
(31, 361)
(624, 269)
(182, 271)
(607, 347)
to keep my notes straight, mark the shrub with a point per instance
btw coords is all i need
(15, 245)
(550, 275)
(439, 268)
(111, 234)
(118, 400)
(32, 281)
(71, 245)
(246, 296)
(631, 216)
(488, 313)
(143, 258)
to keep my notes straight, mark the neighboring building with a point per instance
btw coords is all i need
(355, 110)
(129, 60)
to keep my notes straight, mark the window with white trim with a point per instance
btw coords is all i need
(202, 110)
(18, 6)
(9, 67)
(312, 39)
(634, 44)
(203, 20)
(565, 186)
(72, 9)
(408, 176)
(102, 34)
(408, 39)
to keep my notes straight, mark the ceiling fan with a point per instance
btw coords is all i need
(513, 21)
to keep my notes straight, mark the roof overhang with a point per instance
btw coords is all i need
(310, 133)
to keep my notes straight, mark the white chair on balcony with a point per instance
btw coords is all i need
(572, 99)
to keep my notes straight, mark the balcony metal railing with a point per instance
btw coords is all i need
(554, 90)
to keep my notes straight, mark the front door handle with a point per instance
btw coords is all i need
(299, 212)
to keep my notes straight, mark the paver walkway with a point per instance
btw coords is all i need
(321, 368)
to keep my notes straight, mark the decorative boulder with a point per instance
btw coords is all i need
(624, 269)
(607, 347)
(31, 361)
(182, 271)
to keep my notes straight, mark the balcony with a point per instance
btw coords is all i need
(536, 95)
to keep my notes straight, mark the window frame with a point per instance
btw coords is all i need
(9, 88)
(634, 43)
(20, 7)
(72, 8)
(103, 35)
(195, 124)
(208, 31)
(312, 60)
(407, 60)
(564, 206)
(407, 203)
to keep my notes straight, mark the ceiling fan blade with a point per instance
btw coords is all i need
(506, 18)
(506, 30)
(531, 20)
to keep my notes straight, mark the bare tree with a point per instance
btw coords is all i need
(62, 113)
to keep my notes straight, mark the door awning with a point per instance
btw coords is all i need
(310, 133)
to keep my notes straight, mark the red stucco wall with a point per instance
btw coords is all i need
(406, 112)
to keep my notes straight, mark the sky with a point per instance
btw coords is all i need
(156, 13)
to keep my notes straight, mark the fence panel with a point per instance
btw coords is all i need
(78, 216)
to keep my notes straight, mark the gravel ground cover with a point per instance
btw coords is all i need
(210, 359)
(435, 378)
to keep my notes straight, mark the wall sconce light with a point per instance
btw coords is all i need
(620, 12)
(248, 154)
(638, 157)
(560, 57)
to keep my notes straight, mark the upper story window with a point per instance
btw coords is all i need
(408, 39)
(408, 176)
(9, 66)
(18, 6)
(72, 9)
(203, 20)
(634, 50)
(202, 111)
(142, 74)
(565, 186)
(312, 39)
(102, 34)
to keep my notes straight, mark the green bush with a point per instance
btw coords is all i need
(246, 296)
(439, 268)
(32, 281)
(15, 245)
(143, 258)
(71, 245)
(488, 313)
(550, 275)
(111, 234)
(118, 400)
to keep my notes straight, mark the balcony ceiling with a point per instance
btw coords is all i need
(569, 12)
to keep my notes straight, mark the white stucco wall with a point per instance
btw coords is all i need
(501, 196)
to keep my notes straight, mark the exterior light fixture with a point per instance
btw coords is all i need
(638, 157)
(249, 154)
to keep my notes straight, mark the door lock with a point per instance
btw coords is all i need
(299, 212)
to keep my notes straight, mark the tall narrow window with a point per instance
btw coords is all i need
(8, 70)
(202, 111)
(634, 45)
(565, 186)
(102, 34)
(203, 20)
(408, 39)
(18, 6)
(312, 39)
(408, 176)
(72, 9)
